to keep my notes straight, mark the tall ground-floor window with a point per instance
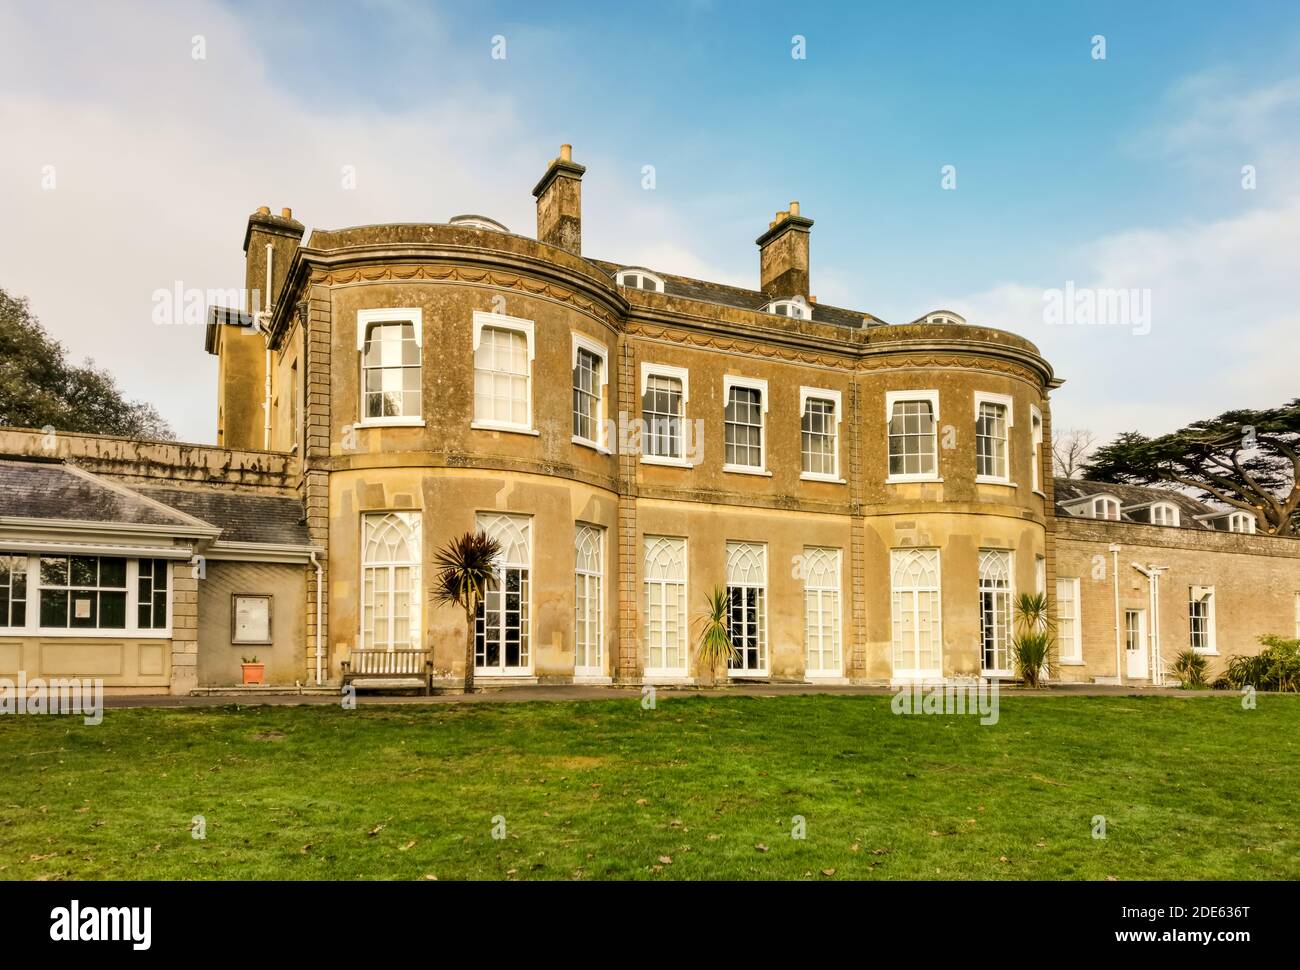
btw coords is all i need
(587, 573)
(1069, 632)
(390, 580)
(747, 605)
(995, 610)
(502, 627)
(821, 596)
(916, 621)
(665, 606)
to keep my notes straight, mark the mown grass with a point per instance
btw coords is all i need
(699, 788)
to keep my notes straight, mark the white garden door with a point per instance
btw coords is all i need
(1135, 638)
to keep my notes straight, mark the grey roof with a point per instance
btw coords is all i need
(240, 516)
(54, 490)
(1128, 495)
(745, 299)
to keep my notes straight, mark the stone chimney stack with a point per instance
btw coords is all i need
(783, 255)
(559, 203)
(283, 233)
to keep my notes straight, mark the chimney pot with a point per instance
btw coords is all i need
(263, 210)
(794, 208)
(566, 153)
(286, 213)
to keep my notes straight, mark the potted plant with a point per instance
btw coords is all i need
(714, 646)
(254, 672)
(1032, 645)
(466, 567)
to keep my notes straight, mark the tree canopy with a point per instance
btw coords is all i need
(39, 388)
(1248, 460)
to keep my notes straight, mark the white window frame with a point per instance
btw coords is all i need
(643, 276)
(131, 629)
(896, 397)
(1036, 441)
(416, 614)
(1007, 595)
(1168, 507)
(681, 589)
(1243, 518)
(683, 376)
(758, 550)
(836, 399)
(987, 397)
(730, 381)
(365, 319)
(483, 521)
(1074, 657)
(1297, 616)
(828, 599)
(788, 307)
(1108, 500)
(934, 596)
(1206, 595)
(596, 348)
(592, 583)
(501, 321)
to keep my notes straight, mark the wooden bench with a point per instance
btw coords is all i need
(389, 669)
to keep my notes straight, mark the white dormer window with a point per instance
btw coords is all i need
(477, 222)
(797, 308)
(640, 279)
(1105, 507)
(1241, 522)
(1165, 513)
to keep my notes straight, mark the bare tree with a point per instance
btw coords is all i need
(1070, 450)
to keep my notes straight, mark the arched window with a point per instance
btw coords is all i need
(821, 592)
(1165, 513)
(796, 309)
(1241, 522)
(640, 279)
(390, 580)
(747, 605)
(916, 620)
(502, 627)
(588, 574)
(1106, 507)
(665, 606)
(995, 611)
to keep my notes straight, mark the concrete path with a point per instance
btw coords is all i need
(571, 692)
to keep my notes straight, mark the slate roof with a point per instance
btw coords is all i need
(241, 517)
(745, 299)
(53, 490)
(1072, 488)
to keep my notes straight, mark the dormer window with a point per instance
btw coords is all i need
(1165, 513)
(1241, 522)
(797, 308)
(1105, 507)
(640, 279)
(477, 222)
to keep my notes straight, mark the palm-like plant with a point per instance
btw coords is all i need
(1191, 668)
(1032, 645)
(466, 566)
(714, 641)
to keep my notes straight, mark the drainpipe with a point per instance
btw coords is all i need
(1152, 573)
(1119, 640)
(266, 331)
(320, 641)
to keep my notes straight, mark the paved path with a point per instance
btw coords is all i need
(571, 692)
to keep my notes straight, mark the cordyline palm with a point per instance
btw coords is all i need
(1031, 647)
(466, 566)
(714, 634)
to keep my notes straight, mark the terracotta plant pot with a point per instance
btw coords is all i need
(254, 673)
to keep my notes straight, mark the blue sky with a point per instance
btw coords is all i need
(1117, 172)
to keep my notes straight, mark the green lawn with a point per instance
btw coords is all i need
(700, 788)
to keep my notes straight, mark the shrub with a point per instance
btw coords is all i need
(1031, 647)
(1276, 667)
(1190, 668)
